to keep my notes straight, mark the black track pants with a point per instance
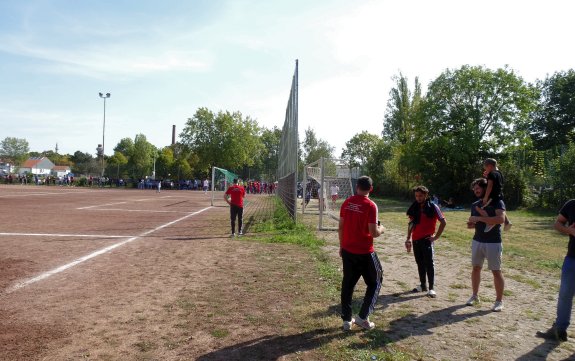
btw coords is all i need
(238, 212)
(354, 267)
(423, 252)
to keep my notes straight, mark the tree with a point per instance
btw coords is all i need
(485, 108)
(227, 140)
(125, 146)
(115, 162)
(140, 162)
(84, 163)
(400, 121)
(315, 148)
(267, 160)
(554, 120)
(164, 163)
(14, 150)
(359, 148)
(470, 113)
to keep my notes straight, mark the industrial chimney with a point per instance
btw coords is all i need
(173, 134)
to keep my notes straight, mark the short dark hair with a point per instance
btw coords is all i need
(482, 182)
(364, 183)
(235, 181)
(421, 189)
(490, 161)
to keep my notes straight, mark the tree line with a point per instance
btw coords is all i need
(440, 138)
(224, 139)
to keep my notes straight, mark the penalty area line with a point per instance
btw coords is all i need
(62, 235)
(62, 268)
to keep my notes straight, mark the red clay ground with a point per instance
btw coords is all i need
(185, 291)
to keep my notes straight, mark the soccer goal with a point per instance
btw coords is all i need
(327, 182)
(221, 180)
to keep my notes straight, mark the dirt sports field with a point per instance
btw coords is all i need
(92, 274)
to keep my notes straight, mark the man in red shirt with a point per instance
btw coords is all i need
(423, 216)
(234, 196)
(358, 225)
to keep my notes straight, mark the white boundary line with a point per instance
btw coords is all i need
(63, 235)
(133, 210)
(102, 205)
(40, 194)
(124, 202)
(54, 271)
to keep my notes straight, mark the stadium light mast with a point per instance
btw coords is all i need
(104, 96)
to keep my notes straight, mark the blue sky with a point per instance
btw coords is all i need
(161, 60)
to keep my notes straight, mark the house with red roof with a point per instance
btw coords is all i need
(36, 165)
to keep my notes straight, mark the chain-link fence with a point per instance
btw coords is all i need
(288, 151)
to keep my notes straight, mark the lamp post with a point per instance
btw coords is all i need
(104, 96)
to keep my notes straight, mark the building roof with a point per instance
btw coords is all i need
(61, 167)
(33, 162)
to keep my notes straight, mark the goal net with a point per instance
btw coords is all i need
(221, 180)
(326, 184)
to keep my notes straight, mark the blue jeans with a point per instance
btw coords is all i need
(566, 293)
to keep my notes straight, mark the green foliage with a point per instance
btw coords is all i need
(281, 228)
(84, 163)
(267, 159)
(403, 111)
(226, 140)
(14, 150)
(441, 139)
(359, 149)
(115, 162)
(554, 120)
(315, 148)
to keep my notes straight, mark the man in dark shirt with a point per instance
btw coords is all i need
(565, 223)
(486, 244)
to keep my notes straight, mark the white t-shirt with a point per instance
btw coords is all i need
(206, 183)
(334, 190)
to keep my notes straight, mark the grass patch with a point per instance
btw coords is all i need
(372, 345)
(523, 279)
(219, 333)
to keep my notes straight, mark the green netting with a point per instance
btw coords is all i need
(223, 178)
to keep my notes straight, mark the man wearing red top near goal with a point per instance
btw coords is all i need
(358, 225)
(234, 196)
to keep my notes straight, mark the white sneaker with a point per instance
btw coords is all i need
(472, 300)
(232, 235)
(497, 306)
(365, 324)
(347, 325)
(431, 293)
(241, 233)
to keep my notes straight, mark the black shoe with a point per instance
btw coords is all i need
(553, 334)
(419, 289)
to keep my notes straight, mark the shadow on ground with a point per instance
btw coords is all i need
(541, 351)
(274, 347)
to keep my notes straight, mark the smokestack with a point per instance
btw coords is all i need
(173, 134)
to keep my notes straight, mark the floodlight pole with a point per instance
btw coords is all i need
(104, 96)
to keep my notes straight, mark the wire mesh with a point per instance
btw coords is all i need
(288, 151)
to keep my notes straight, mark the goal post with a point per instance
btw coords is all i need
(221, 179)
(327, 182)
